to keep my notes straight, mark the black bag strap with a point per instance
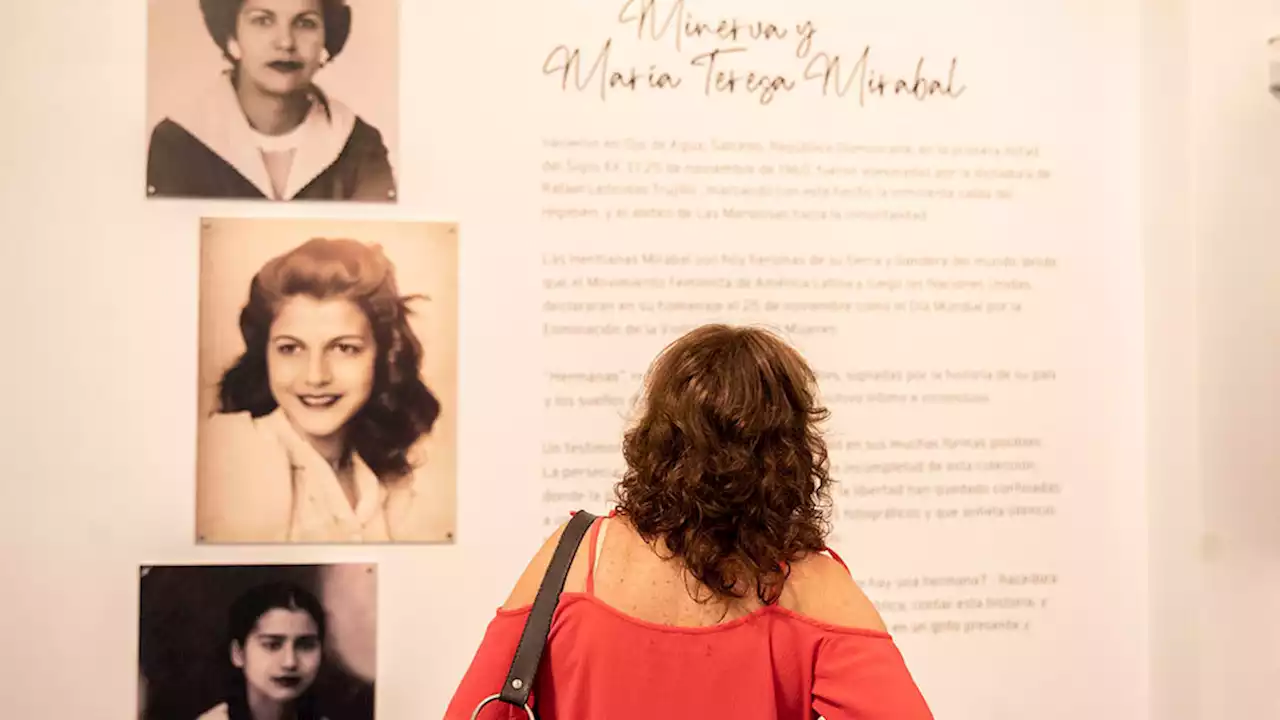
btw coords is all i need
(524, 666)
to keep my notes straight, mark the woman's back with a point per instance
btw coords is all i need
(712, 594)
(629, 640)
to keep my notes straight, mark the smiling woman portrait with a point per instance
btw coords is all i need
(328, 415)
(262, 127)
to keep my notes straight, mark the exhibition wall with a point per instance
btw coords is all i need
(1234, 171)
(1209, 172)
(1174, 510)
(1024, 245)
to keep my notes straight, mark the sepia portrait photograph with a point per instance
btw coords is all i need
(273, 99)
(328, 381)
(257, 642)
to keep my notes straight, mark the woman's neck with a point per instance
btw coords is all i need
(272, 114)
(333, 449)
(261, 708)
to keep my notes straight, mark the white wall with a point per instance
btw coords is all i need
(1235, 184)
(1173, 480)
(1211, 171)
(78, 356)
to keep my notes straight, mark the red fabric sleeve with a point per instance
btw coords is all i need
(861, 677)
(488, 670)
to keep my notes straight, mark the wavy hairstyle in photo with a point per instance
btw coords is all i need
(725, 464)
(401, 409)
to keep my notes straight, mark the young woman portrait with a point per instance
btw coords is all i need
(274, 650)
(283, 642)
(323, 426)
(264, 125)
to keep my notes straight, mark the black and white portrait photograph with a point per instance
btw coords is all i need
(273, 99)
(328, 381)
(257, 642)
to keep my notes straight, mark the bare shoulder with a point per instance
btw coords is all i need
(526, 588)
(820, 588)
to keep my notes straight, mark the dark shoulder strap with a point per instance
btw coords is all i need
(534, 638)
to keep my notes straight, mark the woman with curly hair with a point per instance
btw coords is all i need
(319, 419)
(265, 129)
(709, 592)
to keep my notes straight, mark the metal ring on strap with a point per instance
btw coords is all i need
(476, 713)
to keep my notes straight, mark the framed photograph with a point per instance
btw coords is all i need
(218, 642)
(328, 381)
(273, 99)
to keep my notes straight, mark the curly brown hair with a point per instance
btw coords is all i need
(725, 463)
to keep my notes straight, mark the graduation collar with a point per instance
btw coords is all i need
(216, 119)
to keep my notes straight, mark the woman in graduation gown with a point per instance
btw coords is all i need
(264, 129)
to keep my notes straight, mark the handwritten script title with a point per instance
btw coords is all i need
(725, 68)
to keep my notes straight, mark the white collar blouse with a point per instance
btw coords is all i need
(321, 511)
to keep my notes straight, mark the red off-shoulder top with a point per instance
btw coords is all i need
(773, 664)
